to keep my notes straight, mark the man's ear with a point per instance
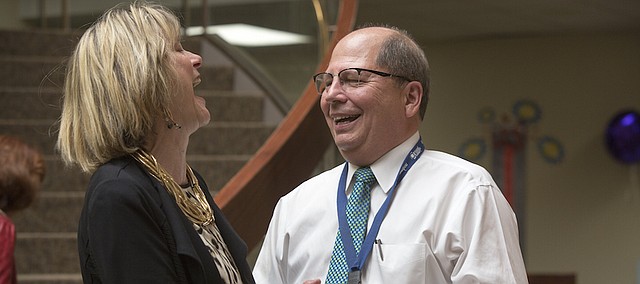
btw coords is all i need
(413, 97)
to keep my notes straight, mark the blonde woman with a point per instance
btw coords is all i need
(129, 109)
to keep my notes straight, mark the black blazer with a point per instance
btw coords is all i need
(132, 231)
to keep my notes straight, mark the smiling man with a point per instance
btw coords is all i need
(394, 212)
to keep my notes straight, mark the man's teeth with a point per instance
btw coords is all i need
(345, 118)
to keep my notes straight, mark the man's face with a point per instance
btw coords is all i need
(368, 120)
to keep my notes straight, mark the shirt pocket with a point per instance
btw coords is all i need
(397, 263)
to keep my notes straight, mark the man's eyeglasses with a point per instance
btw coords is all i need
(350, 78)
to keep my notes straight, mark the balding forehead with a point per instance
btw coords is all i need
(373, 32)
(368, 39)
(359, 48)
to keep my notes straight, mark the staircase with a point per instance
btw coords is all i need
(31, 76)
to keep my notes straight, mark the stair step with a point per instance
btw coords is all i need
(229, 107)
(58, 209)
(215, 138)
(27, 72)
(216, 78)
(50, 278)
(216, 170)
(59, 178)
(45, 103)
(26, 42)
(229, 138)
(29, 43)
(37, 132)
(30, 73)
(30, 103)
(51, 212)
(44, 253)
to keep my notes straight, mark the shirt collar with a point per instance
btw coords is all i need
(386, 168)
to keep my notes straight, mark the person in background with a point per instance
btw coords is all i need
(129, 108)
(22, 171)
(394, 212)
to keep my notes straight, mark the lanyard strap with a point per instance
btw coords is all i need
(356, 261)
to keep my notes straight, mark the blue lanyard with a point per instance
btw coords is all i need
(356, 261)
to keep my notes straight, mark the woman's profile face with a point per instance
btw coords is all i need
(188, 110)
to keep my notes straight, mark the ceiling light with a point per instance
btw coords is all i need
(248, 35)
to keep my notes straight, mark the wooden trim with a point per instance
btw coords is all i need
(286, 159)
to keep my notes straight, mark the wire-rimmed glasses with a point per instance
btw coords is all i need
(350, 78)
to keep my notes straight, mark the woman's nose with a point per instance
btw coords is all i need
(196, 60)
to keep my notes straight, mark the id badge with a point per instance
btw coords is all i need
(354, 277)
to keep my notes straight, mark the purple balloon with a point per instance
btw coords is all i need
(623, 137)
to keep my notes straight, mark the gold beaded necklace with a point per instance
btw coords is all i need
(200, 212)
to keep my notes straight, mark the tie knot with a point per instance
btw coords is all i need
(364, 175)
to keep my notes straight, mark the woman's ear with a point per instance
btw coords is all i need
(413, 97)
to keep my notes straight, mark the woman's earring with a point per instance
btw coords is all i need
(171, 124)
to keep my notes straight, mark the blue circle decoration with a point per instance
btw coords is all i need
(486, 115)
(527, 111)
(550, 149)
(623, 136)
(473, 149)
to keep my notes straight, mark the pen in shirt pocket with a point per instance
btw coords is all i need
(379, 245)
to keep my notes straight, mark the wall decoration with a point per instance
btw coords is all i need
(508, 136)
(473, 149)
(527, 112)
(623, 137)
(509, 128)
(486, 115)
(550, 149)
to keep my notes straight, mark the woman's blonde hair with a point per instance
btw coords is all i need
(119, 80)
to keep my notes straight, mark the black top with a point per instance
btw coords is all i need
(132, 231)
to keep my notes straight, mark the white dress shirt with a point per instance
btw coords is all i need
(448, 223)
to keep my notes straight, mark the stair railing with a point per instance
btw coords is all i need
(253, 69)
(323, 27)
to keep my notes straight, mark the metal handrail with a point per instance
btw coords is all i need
(253, 69)
(323, 27)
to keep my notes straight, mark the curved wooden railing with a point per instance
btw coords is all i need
(286, 159)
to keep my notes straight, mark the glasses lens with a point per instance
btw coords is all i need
(322, 81)
(349, 78)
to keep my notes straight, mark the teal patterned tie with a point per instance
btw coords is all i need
(357, 215)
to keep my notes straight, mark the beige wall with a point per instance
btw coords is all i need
(583, 215)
